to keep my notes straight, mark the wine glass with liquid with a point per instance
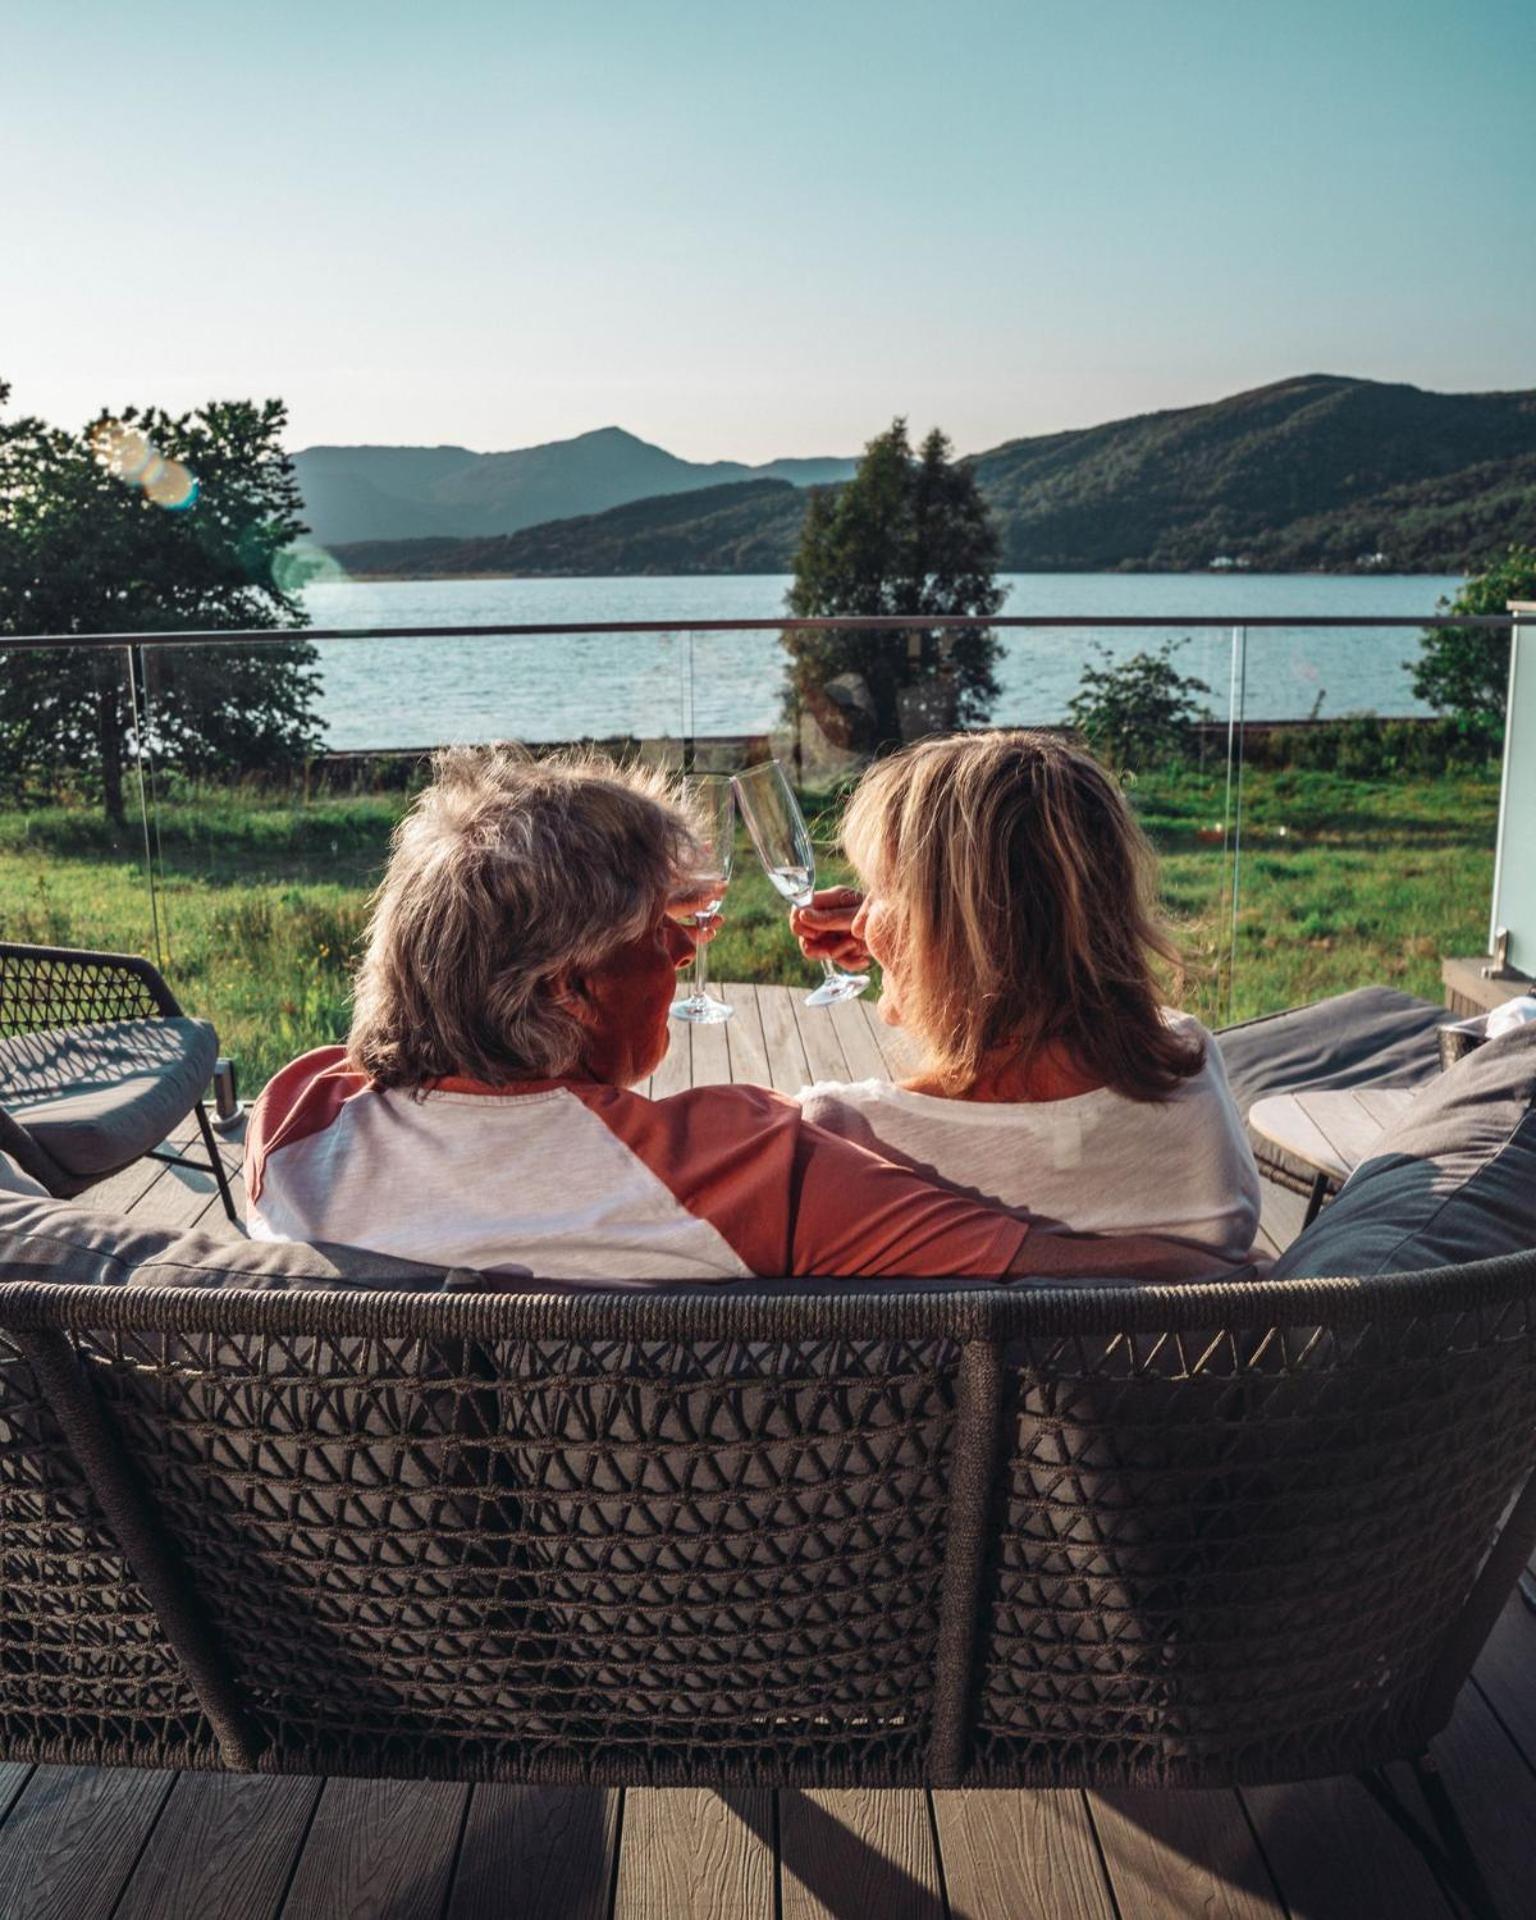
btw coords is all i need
(710, 802)
(783, 843)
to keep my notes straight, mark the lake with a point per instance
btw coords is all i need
(407, 693)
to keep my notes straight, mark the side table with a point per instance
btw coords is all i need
(1331, 1131)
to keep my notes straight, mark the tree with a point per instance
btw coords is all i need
(908, 534)
(1138, 712)
(145, 522)
(1464, 671)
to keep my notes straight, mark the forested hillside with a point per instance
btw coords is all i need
(1313, 473)
(748, 528)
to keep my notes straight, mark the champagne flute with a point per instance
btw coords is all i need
(710, 801)
(783, 843)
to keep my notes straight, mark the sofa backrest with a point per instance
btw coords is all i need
(866, 1535)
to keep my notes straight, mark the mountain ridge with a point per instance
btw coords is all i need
(1320, 472)
(379, 491)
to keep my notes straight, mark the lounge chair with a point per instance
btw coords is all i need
(98, 1064)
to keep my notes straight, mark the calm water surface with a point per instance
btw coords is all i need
(418, 692)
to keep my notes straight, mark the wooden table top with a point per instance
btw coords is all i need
(1331, 1130)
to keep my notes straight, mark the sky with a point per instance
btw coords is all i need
(749, 231)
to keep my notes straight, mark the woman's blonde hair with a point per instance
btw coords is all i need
(507, 874)
(1023, 898)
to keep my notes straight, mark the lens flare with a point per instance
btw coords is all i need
(129, 455)
(125, 452)
(170, 485)
(306, 565)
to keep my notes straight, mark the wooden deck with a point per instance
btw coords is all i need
(82, 1843)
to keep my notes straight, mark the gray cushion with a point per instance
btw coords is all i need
(44, 1240)
(1454, 1180)
(1373, 1037)
(94, 1098)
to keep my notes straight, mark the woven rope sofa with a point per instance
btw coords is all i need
(310, 1510)
(1023, 1536)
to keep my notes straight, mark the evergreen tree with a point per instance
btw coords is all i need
(149, 523)
(908, 534)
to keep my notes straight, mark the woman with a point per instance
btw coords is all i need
(1008, 896)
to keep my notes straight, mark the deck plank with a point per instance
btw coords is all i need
(536, 1851)
(14, 1775)
(378, 1847)
(1019, 1855)
(70, 1842)
(224, 1844)
(1494, 1792)
(1281, 1212)
(744, 1037)
(181, 1194)
(693, 1854)
(1506, 1673)
(857, 1851)
(675, 1074)
(213, 1219)
(1336, 1855)
(824, 1056)
(865, 1060)
(894, 1047)
(712, 1055)
(1170, 1854)
(120, 1192)
(787, 1069)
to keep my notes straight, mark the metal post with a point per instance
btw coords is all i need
(149, 858)
(1237, 715)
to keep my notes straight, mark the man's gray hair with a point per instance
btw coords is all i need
(508, 873)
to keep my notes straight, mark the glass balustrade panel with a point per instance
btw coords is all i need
(74, 806)
(1364, 853)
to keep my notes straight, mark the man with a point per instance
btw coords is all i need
(521, 961)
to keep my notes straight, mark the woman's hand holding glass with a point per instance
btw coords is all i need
(825, 928)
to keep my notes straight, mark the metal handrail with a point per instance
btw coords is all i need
(841, 623)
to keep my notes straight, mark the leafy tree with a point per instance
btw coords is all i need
(1464, 671)
(149, 523)
(908, 534)
(1139, 712)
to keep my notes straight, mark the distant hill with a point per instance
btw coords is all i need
(403, 493)
(1319, 472)
(750, 527)
(1311, 472)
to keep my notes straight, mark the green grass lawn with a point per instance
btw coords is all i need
(262, 899)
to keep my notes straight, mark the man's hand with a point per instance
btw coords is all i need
(824, 928)
(700, 927)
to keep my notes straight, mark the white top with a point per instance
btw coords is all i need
(1098, 1162)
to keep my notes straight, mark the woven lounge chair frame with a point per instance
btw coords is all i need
(45, 987)
(1043, 1537)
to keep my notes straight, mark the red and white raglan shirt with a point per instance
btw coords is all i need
(574, 1180)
